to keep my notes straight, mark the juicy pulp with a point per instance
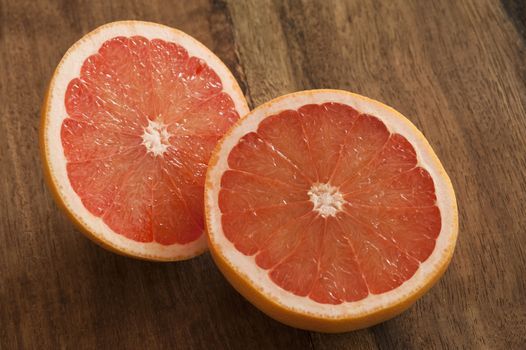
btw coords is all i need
(142, 119)
(372, 243)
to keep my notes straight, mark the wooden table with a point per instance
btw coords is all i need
(457, 69)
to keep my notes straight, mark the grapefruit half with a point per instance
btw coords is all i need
(131, 115)
(329, 211)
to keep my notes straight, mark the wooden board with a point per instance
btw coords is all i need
(455, 68)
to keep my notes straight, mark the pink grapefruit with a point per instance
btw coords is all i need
(131, 116)
(329, 211)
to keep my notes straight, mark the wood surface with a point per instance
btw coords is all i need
(457, 69)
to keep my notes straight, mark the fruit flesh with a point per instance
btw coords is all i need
(143, 117)
(371, 243)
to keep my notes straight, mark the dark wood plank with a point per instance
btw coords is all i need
(456, 69)
(59, 290)
(516, 11)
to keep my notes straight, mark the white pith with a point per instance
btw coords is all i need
(246, 267)
(327, 200)
(156, 138)
(55, 112)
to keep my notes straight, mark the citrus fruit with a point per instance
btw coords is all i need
(131, 115)
(329, 211)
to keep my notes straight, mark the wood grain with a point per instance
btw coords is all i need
(455, 68)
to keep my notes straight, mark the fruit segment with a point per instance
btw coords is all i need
(250, 230)
(367, 139)
(285, 132)
(413, 230)
(243, 191)
(298, 269)
(97, 181)
(130, 211)
(340, 277)
(326, 128)
(331, 204)
(142, 120)
(256, 156)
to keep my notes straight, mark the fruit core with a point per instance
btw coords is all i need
(156, 138)
(327, 200)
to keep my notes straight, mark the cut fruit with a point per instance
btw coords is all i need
(329, 211)
(131, 116)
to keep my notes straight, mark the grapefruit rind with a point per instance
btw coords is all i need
(255, 284)
(54, 112)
